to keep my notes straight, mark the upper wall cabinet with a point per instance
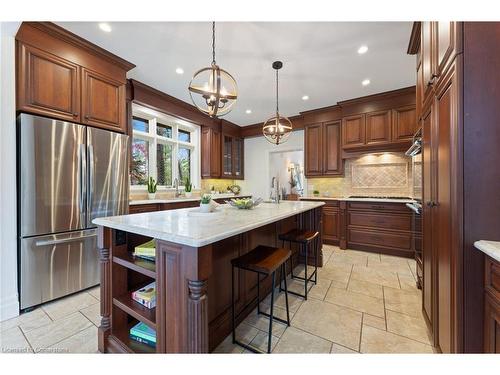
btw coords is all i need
(322, 149)
(378, 128)
(210, 153)
(232, 157)
(63, 76)
(353, 131)
(404, 123)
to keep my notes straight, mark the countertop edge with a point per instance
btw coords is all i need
(382, 200)
(180, 200)
(490, 248)
(182, 240)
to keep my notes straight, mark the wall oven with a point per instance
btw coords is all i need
(415, 152)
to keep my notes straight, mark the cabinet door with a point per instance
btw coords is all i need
(210, 153)
(447, 38)
(227, 156)
(378, 128)
(428, 57)
(353, 131)
(313, 150)
(427, 196)
(47, 84)
(331, 224)
(404, 123)
(238, 158)
(103, 101)
(332, 160)
(491, 325)
(420, 86)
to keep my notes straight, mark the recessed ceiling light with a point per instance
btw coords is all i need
(248, 111)
(179, 71)
(362, 49)
(305, 97)
(105, 27)
(365, 82)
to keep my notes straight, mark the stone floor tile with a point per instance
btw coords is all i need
(329, 321)
(68, 305)
(346, 258)
(365, 287)
(260, 341)
(227, 347)
(261, 322)
(375, 276)
(339, 349)
(56, 331)
(93, 313)
(27, 321)
(84, 341)
(408, 326)
(297, 341)
(403, 301)
(401, 268)
(95, 292)
(334, 273)
(356, 301)
(407, 282)
(374, 321)
(294, 302)
(12, 341)
(246, 333)
(374, 340)
(317, 291)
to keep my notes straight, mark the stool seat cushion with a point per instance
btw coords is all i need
(299, 235)
(262, 259)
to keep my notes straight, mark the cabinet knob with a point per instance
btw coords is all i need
(75, 114)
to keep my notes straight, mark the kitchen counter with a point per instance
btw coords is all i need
(192, 271)
(189, 227)
(490, 248)
(184, 199)
(385, 200)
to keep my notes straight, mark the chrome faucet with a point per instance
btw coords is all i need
(176, 186)
(275, 185)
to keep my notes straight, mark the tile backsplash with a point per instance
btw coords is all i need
(387, 174)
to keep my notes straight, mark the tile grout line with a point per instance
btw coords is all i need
(405, 337)
(361, 332)
(28, 341)
(385, 310)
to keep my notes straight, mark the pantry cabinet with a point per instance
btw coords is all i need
(63, 76)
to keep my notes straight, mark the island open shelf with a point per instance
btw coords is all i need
(192, 272)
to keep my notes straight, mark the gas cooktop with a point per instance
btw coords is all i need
(379, 197)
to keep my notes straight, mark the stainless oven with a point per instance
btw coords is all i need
(415, 152)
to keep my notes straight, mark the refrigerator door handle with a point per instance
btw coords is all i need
(91, 183)
(64, 240)
(83, 180)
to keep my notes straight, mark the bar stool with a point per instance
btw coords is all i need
(263, 260)
(304, 238)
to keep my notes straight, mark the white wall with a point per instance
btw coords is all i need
(279, 163)
(9, 298)
(257, 160)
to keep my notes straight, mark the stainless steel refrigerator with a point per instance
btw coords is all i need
(68, 174)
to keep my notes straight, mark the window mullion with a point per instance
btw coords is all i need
(152, 154)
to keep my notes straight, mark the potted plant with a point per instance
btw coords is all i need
(206, 203)
(188, 187)
(316, 193)
(152, 186)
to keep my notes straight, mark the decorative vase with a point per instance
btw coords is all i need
(205, 207)
(188, 194)
(151, 195)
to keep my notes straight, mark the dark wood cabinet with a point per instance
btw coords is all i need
(210, 153)
(428, 64)
(63, 76)
(378, 128)
(103, 101)
(313, 150)
(322, 149)
(492, 306)
(331, 223)
(353, 131)
(238, 155)
(47, 85)
(232, 157)
(404, 123)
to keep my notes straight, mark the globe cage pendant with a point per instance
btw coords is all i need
(278, 128)
(213, 90)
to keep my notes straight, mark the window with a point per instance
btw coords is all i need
(164, 148)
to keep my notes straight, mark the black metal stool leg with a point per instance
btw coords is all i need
(271, 315)
(232, 306)
(305, 272)
(286, 295)
(258, 293)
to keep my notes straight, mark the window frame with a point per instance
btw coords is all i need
(154, 139)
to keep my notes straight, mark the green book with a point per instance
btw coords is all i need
(143, 331)
(146, 249)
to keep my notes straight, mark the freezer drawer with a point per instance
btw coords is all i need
(56, 265)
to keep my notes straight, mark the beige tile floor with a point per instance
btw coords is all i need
(363, 303)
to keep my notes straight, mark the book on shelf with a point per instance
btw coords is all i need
(141, 332)
(146, 250)
(146, 296)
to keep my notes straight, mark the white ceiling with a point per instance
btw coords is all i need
(320, 59)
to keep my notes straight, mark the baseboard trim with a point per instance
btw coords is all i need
(9, 307)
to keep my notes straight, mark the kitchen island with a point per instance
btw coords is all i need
(192, 271)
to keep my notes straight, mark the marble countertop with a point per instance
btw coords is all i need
(490, 248)
(387, 200)
(189, 227)
(184, 199)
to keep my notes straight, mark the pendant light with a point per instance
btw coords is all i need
(213, 90)
(278, 128)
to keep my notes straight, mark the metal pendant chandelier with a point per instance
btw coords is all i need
(278, 128)
(213, 90)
